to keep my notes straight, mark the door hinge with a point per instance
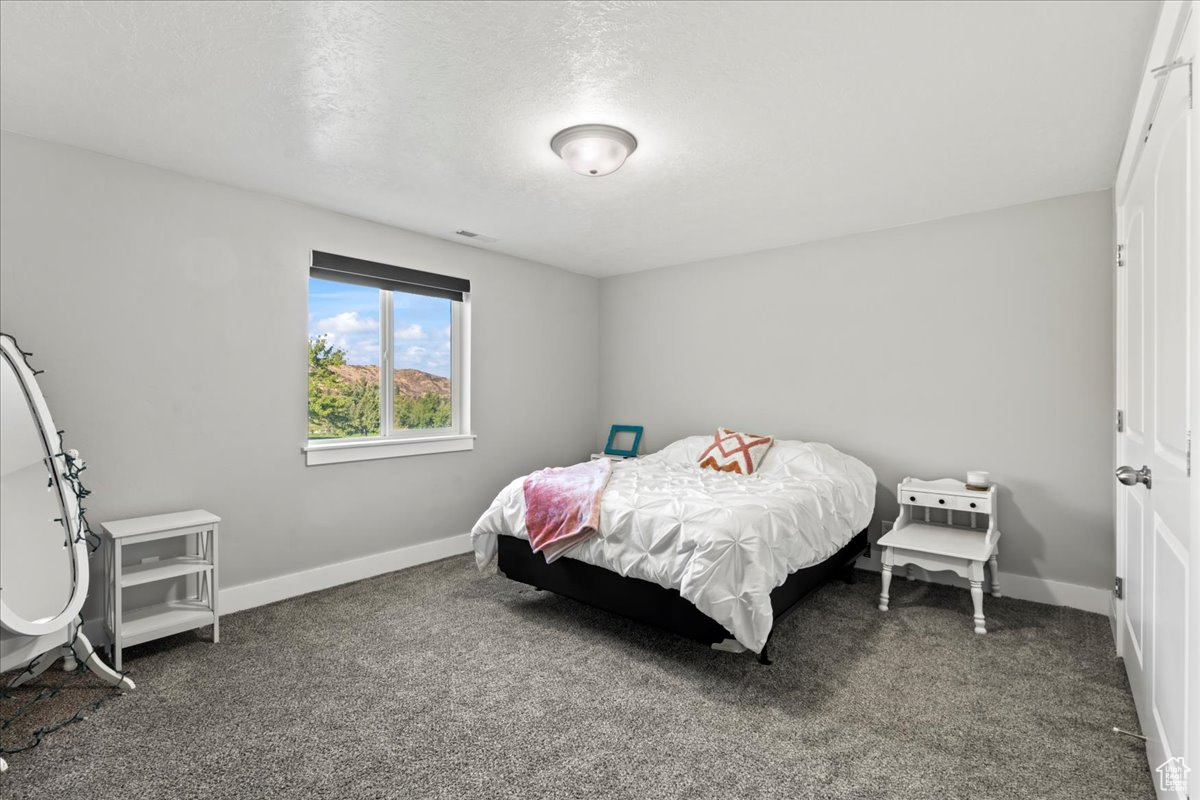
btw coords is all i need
(1120, 255)
(1189, 454)
(1120, 421)
(1119, 588)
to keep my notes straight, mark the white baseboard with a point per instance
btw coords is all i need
(271, 590)
(282, 587)
(1022, 587)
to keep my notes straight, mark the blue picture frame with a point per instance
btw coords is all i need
(632, 452)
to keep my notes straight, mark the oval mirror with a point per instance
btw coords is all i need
(43, 564)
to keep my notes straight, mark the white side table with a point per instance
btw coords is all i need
(128, 627)
(597, 456)
(950, 539)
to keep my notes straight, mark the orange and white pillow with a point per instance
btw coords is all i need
(731, 451)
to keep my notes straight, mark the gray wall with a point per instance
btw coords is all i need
(167, 312)
(170, 315)
(976, 342)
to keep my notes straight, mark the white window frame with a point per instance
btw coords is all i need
(396, 444)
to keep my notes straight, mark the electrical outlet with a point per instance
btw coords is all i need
(886, 525)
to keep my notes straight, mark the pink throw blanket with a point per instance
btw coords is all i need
(562, 505)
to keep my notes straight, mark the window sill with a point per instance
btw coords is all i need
(338, 452)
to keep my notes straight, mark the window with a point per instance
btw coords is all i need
(387, 361)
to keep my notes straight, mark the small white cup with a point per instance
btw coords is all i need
(978, 478)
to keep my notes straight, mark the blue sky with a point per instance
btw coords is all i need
(349, 316)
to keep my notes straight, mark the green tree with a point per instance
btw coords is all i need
(429, 410)
(363, 396)
(328, 409)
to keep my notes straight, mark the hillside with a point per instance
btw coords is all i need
(409, 382)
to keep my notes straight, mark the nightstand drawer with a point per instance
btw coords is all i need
(981, 504)
(953, 502)
(913, 498)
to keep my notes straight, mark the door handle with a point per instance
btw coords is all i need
(1132, 477)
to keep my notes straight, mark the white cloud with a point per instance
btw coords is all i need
(413, 331)
(359, 348)
(347, 322)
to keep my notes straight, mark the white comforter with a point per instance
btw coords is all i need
(723, 540)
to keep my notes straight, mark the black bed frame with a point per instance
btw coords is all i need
(652, 604)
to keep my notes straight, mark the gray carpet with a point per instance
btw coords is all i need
(437, 682)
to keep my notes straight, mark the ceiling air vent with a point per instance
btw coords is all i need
(479, 237)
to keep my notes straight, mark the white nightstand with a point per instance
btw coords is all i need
(198, 563)
(939, 530)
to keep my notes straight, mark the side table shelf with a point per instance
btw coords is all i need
(128, 627)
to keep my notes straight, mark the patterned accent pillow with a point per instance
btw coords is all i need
(731, 451)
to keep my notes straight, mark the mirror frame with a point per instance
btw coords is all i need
(67, 501)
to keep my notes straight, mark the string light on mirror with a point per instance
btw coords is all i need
(21, 702)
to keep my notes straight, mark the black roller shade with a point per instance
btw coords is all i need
(330, 267)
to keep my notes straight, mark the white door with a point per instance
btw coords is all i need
(1156, 318)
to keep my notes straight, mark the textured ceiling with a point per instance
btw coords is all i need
(759, 124)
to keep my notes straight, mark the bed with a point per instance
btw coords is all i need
(713, 556)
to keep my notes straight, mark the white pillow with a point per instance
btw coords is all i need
(683, 451)
(782, 458)
(796, 458)
(786, 456)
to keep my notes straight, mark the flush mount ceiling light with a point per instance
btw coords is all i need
(593, 150)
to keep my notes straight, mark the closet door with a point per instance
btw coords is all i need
(1156, 310)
